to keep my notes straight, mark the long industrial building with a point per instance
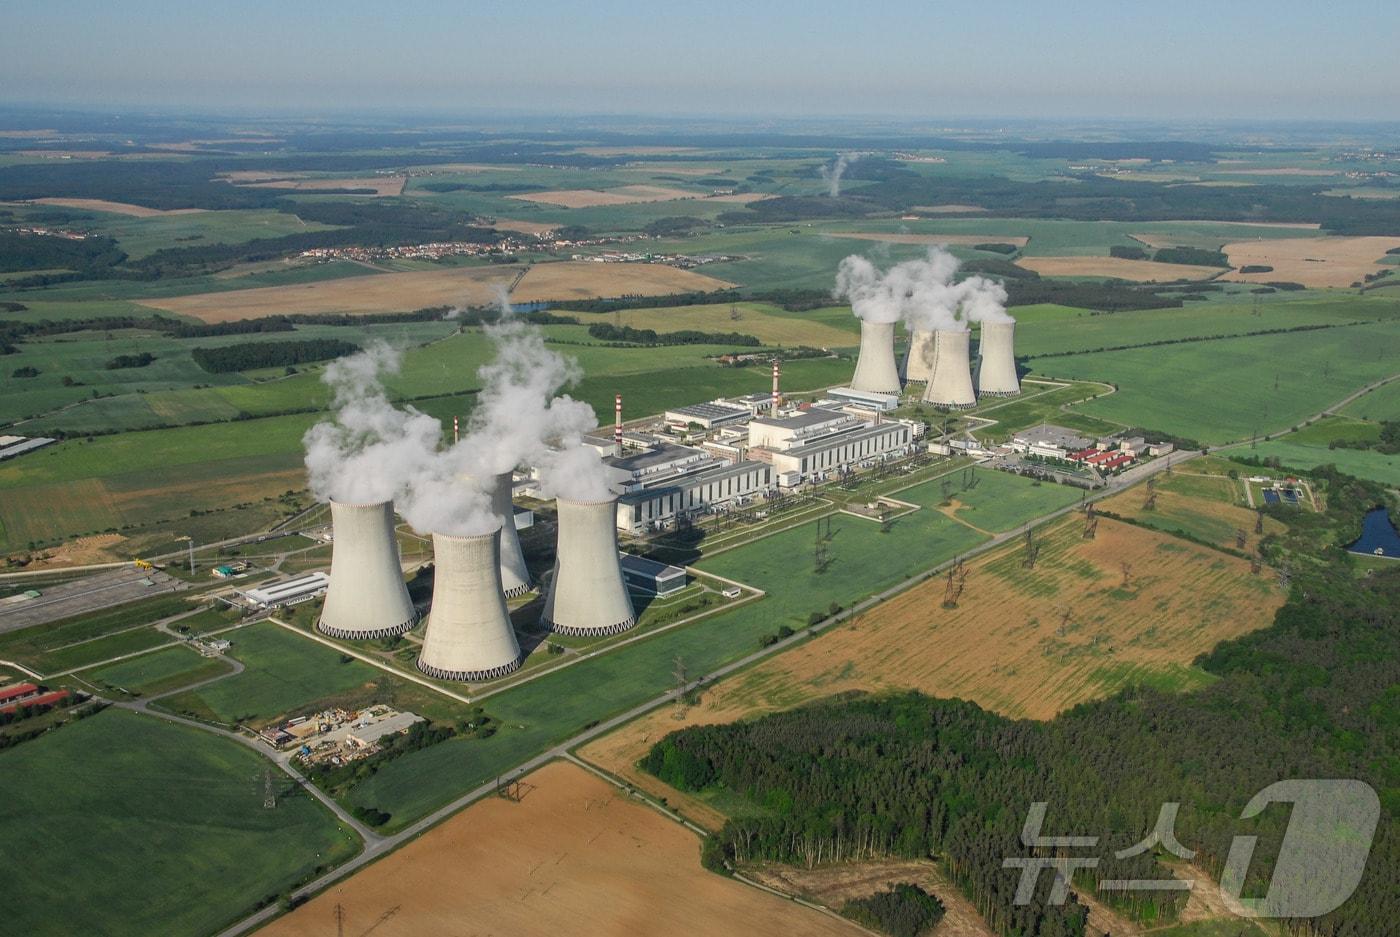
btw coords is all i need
(669, 481)
(814, 443)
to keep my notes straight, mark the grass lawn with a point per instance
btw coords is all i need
(1383, 403)
(35, 644)
(91, 652)
(1363, 463)
(1226, 390)
(157, 672)
(122, 824)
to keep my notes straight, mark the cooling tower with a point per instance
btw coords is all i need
(587, 595)
(918, 362)
(950, 381)
(367, 597)
(875, 367)
(469, 636)
(996, 360)
(515, 577)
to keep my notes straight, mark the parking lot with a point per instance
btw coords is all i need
(88, 594)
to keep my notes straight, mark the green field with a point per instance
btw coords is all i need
(122, 824)
(1224, 390)
(157, 672)
(1383, 403)
(70, 642)
(863, 561)
(1363, 463)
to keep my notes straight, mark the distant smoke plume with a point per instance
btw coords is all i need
(920, 293)
(832, 174)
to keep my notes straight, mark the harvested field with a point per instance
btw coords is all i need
(586, 280)
(403, 292)
(1206, 507)
(897, 238)
(116, 208)
(1024, 643)
(833, 886)
(592, 198)
(1322, 262)
(1143, 271)
(523, 227)
(770, 329)
(573, 850)
(382, 185)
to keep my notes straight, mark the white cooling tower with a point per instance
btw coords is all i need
(875, 367)
(996, 360)
(950, 382)
(918, 362)
(587, 595)
(515, 577)
(469, 636)
(367, 597)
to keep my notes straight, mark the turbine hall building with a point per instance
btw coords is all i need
(669, 481)
(814, 443)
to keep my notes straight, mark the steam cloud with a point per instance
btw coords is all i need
(832, 174)
(920, 293)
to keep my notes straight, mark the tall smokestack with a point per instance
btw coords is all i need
(367, 597)
(996, 360)
(469, 636)
(617, 426)
(587, 595)
(950, 381)
(875, 367)
(455, 433)
(515, 576)
(918, 362)
(777, 396)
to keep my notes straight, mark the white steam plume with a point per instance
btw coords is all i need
(920, 293)
(832, 174)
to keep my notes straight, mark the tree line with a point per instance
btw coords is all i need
(251, 355)
(625, 333)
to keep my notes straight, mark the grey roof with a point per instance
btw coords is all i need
(647, 458)
(860, 431)
(642, 566)
(710, 411)
(683, 481)
(805, 418)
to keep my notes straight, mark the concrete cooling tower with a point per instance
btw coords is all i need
(918, 363)
(950, 382)
(469, 636)
(515, 577)
(996, 360)
(875, 367)
(367, 597)
(587, 595)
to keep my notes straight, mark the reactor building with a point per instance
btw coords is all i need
(367, 597)
(950, 380)
(875, 368)
(469, 635)
(587, 595)
(996, 360)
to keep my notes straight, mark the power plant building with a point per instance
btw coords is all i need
(814, 443)
(587, 595)
(367, 597)
(707, 415)
(469, 636)
(660, 484)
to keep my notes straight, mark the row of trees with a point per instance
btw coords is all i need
(250, 355)
(625, 333)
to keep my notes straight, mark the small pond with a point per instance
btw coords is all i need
(1378, 536)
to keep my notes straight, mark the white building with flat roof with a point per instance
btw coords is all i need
(288, 591)
(817, 442)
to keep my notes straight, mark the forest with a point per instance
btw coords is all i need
(625, 333)
(250, 355)
(1317, 694)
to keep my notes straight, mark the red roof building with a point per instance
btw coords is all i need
(43, 699)
(17, 690)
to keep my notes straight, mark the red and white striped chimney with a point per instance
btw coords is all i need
(617, 427)
(777, 397)
(455, 437)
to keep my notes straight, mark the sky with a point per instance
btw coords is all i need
(1186, 59)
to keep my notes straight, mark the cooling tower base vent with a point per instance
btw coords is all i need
(344, 635)
(591, 632)
(517, 591)
(998, 393)
(471, 676)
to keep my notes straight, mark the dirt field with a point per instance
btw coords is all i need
(623, 195)
(403, 292)
(574, 856)
(833, 886)
(524, 227)
(771, 330)
(1023, 643)
(1144, 271)
(79, 552)
(892, 238)
(116, 208)
(1324, 261)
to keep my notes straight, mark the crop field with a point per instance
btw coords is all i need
(157, 671)
(767, 323)
(622, 195)
(115, 208)
(452, 286)
(286, 673)
(893, 237)
(1142, 271)
(381, 185)
(1319, 262)
(573, 849)
(141, 235)
(1200, 504)
(1026, 643)
(1383, 403)
(1377, 466)
(546, 711)
(149, 810)
(1225, 390)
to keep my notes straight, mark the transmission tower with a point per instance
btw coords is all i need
(339, 920)
(269, 795)
(1031, 549)
(1151, 503)
(1127, 573)
(1241, 538)
(1256, 563)
(679, 675)
(1091, 521)
(1259, 522)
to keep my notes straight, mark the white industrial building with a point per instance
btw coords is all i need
(660, 484)
(287, 591)
(814, 443)
(707, 416)
(864, 398)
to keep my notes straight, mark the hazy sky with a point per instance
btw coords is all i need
(1185, 58)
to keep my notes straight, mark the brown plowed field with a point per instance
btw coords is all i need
(1026, 643)
(574, 856)
(116, 208)
(622, 195)
(1324, 261)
